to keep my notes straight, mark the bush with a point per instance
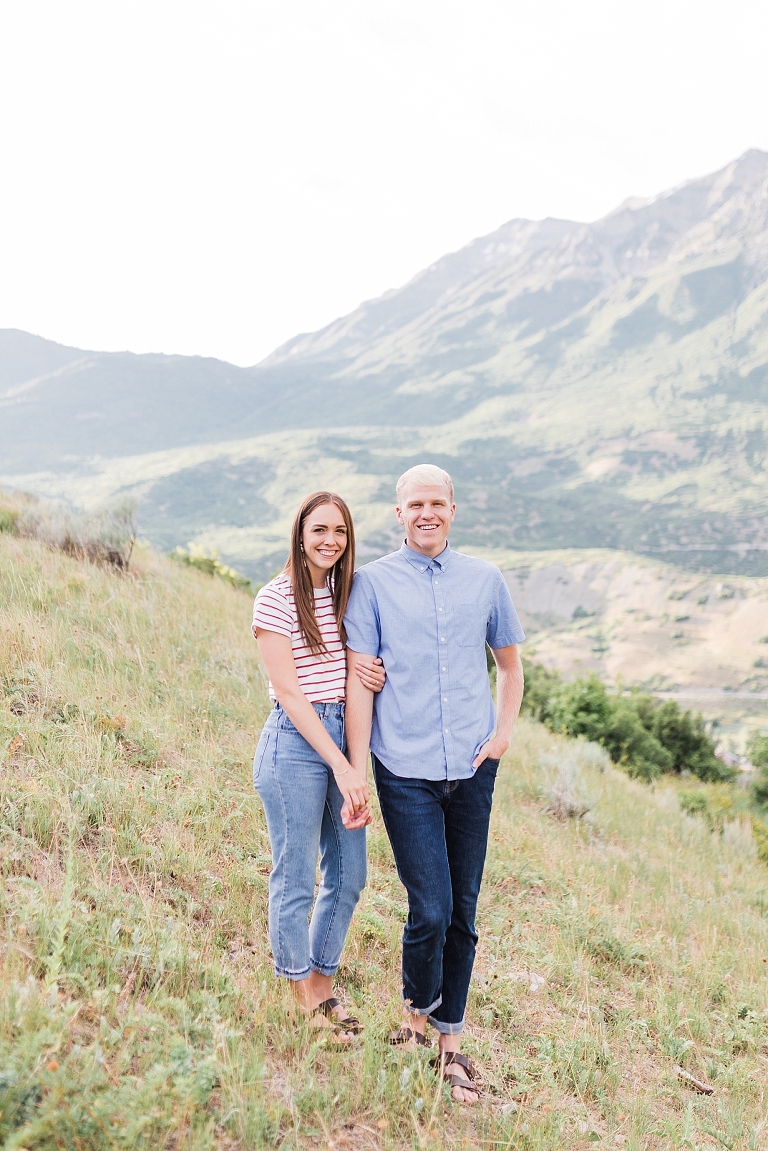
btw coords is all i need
(584, 708)
(715, 808)
(757, 750)
(540, 687)
(631, 742)
(9, 519)
(581, 707)
(640, 734)
(760, 836)
(107, 535)
(567, 793)
(212, 566)
(684, 736)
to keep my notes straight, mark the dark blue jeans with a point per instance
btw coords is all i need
(439, 836)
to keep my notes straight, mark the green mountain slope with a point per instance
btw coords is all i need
(589, 385)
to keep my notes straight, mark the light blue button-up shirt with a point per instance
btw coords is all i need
(429, 620)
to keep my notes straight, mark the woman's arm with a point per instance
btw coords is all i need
(277, 654)
(370, 670)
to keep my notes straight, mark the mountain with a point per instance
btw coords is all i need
(600, 385)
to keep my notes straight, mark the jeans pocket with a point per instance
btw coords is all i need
(259, 754)
(283, 723)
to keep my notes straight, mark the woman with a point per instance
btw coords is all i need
(313, 797)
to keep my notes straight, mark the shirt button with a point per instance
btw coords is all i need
(439, 609)
(442, 639)
(445, 699)
(445, 669)
(447, 731)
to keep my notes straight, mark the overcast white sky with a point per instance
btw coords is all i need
(214, 177)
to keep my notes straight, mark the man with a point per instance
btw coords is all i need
(428, 612)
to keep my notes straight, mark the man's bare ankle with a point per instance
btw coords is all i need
(449, 1043)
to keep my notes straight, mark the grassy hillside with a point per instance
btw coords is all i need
(138, 1005)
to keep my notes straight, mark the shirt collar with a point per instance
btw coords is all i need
(423, 562)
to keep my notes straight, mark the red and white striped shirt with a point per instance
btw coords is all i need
(322, 678)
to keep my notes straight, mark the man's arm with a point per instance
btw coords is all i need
(509, 696)
(358, 714)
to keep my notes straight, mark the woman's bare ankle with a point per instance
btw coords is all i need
(302, 993)
(320, 987)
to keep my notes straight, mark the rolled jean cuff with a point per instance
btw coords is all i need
(422, 1010)
(446, 1028)
(324, 968)
(296, 976)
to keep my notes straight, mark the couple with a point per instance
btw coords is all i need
(412, 686)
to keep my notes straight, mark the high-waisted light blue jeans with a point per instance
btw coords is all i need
(303, 808)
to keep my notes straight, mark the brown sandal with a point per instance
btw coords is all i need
(445, 1059)
(404, 1035)
(350, 1023)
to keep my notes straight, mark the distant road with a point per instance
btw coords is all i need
(710, 693)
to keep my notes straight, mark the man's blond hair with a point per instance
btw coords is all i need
(430, 475)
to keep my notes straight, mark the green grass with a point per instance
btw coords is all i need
(138, 1005)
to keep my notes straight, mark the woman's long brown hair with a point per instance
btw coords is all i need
(339, 577)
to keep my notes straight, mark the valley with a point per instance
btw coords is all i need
(597, 385)
(700, 639)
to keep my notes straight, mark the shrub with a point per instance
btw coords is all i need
(639, 733)
(567, 793)
(693, 802)
(581, 707)
(584, 708)
(760, 835)
(9, 519)
(629, 741)
(107, 535)
(212, 566)
(757, 750)
(540, 686)
(684, 736)
(715, 808)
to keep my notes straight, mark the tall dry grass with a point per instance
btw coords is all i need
(106, 535)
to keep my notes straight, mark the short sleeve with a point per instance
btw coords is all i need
(361, 622)
(272, 611)
(504, 627)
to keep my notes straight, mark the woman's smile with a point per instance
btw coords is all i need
(324, 540)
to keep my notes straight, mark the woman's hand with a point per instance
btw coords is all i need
(362, 819)
(371, 672)
(353, 786)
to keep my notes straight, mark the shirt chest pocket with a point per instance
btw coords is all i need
(470, 622)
